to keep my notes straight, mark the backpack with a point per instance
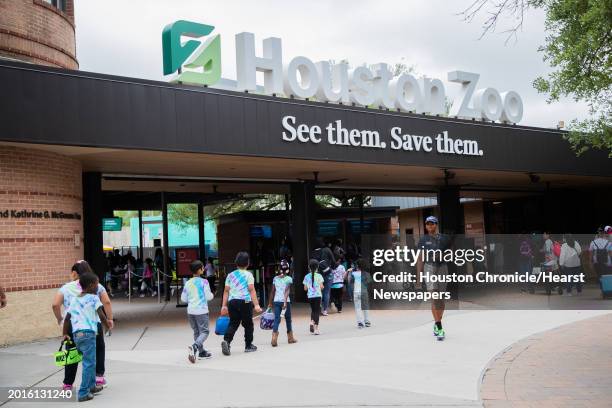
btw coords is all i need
(556, 249)
(601, 254)
(324, 266)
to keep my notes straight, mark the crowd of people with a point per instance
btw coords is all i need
(563, 254)
(82, 307)
(127, 275)
(240, 300)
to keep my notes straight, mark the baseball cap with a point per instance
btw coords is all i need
(432, 219)
(608, 229)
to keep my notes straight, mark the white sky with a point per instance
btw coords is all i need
(124, 38)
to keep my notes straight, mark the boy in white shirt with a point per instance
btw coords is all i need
(197, 294)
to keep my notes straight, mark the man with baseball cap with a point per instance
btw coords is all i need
(431, 265)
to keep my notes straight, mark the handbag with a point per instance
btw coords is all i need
(267, 320)
(221, 325)
(70, 354)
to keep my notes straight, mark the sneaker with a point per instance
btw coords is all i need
(367, 323)
(100, 380)
(435, 330)
(311, 327)
(360, 325)
(67, 387)
(87, 397)
(193, 352)
(225, 348)
(204, 354)
(250, 348)
(316, 331)
(339, 311)
(96, 389)
(324, 313)
(441, 334)
(154, 294)
(141, 295)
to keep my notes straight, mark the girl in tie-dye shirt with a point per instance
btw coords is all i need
(313, 284)
(280, 300)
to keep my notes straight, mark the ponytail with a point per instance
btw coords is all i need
(313, 265)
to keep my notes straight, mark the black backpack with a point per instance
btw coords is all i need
(601, 254)
(324, 266)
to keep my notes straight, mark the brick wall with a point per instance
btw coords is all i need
(37, 32)
(28, 317)
(37, 253)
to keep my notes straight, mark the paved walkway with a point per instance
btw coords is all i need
(396, 362)
(570, 366)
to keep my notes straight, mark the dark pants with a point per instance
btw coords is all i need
(278, 308)
(571, 272)
(336, 296)
(149, 283)
(315, 309)
(70, 371)
(167, 286)
(240, 312)
(211, 283)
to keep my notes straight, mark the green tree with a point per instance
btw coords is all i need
(184, 215)
(578, 45)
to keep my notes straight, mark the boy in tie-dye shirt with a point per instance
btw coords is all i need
(197, 294)
(82, 316)
(239, 301)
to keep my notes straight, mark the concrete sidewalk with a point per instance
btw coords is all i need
(396, 362)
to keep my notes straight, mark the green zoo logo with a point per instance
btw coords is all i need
(201, 58)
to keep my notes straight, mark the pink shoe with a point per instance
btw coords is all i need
(67, 387)
(100, 381)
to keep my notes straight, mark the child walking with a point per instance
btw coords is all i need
(196, 293)
(361, 279)
(147, 279)
(239, 301)
(339, 275)
(313, 284)
(82, 317)
(279, 299)
(64, 297)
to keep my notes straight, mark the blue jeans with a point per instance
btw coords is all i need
(327, 284)
(278, 307)
(86, 343)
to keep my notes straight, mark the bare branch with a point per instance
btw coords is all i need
(494, 10)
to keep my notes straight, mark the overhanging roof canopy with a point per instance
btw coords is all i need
(43, 105)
